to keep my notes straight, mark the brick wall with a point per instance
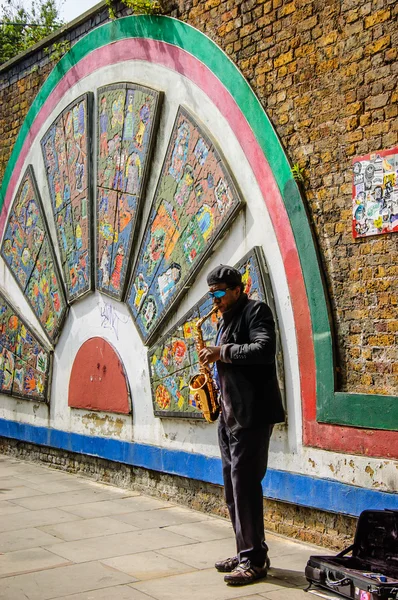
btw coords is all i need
(326, 74)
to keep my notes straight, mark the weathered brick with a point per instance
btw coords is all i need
(378, 45)
(376, 101)
(377, 17)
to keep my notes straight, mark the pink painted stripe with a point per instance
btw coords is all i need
(180, 61)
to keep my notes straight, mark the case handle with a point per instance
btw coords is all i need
(336, 582)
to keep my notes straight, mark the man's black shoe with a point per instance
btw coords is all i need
(227, 565)
(246, 573)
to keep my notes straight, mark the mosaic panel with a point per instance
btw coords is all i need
(127, 121)
(28, 252)
(195, 201)
(174, 360)
(25, 363)
(375, 193)
(65, 149)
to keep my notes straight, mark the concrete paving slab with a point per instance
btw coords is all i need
(67, 498)
(288, 576)
(295, 561)
(198, 585)
(7, 508)
(141, 503)
(32, 559)
(35, 518)
(202, 555)
(61, 582)
(88, 528)
(57, 486)
(147, 565)
(98, 509)
(120, 544)
(46, 474)
(127, 546)
(205, 531)
(11, 482)
(10, 541)
(162, 517)
(250, 597)
(19, 492)
(120, 592)
(291, 593)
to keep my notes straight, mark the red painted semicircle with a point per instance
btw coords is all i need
(98, 380)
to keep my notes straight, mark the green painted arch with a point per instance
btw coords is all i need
(375, 411)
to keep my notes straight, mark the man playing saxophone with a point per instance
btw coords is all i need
(245, 372)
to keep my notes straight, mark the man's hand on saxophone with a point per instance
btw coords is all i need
(209, 354)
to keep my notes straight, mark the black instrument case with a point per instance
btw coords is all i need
(371, 571)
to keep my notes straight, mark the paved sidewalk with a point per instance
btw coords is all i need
(64, 536)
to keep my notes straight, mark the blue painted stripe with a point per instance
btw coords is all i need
(323, 494)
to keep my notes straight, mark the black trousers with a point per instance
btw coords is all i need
(244, 457)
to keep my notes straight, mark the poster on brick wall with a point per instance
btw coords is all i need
(375, 193)
(174, 359)
(195, 201)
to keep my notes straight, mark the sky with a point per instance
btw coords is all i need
(70, 9)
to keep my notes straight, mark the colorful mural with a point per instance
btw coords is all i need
(195, 201)
(65, 149)
(375, 193)
(28, 252)
(127, 119)
(174, 359)
(25, 363)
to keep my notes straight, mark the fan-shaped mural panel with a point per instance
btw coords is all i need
(66, 156)
(98, 380)
(29, 254)
(127, 121)
(195, 201)
(25, 363)
(174, 360)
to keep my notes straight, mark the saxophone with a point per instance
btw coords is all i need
(202, 385)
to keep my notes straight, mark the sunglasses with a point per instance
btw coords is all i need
(219, 293)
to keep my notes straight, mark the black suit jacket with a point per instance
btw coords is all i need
(247, 369)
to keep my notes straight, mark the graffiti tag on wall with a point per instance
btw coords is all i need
(194, 202)
(127, 116)
(375, 193)
(174, 360)
(24, 361)
(28, 252)
(65, 149)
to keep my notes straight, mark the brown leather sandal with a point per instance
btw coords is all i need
(227, 565)
(246, 573)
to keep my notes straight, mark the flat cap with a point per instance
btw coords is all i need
(224, 274)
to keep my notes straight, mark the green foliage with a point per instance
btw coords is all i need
(57, 50)
(298, 173)
(143, 7)
(41, 364)
(22, 27)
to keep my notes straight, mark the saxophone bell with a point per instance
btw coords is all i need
(202, 385)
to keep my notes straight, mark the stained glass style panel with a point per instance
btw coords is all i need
(174, 360)
(195, 201)
(66, 153)
(25, 363)
(127, 121)
(27, 250)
